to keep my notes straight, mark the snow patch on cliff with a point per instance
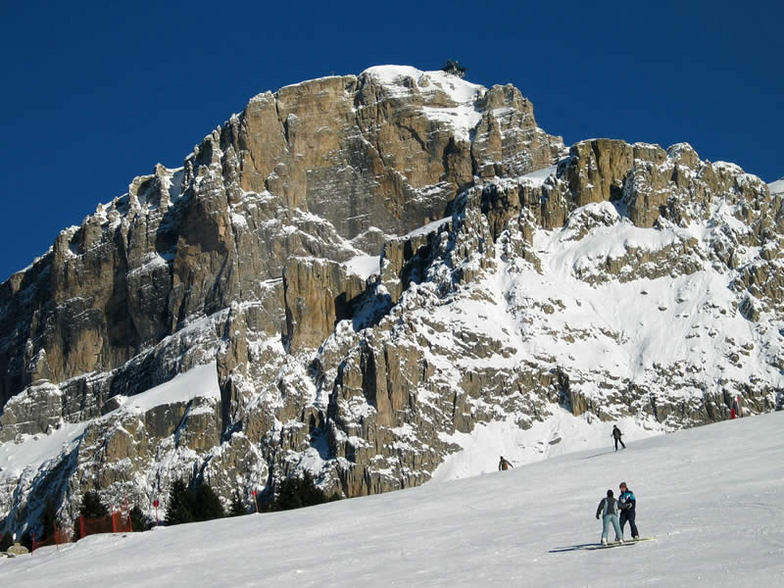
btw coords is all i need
(201, 381)
(538, 177)
(400, 81)
(30, 452)
(364, 266)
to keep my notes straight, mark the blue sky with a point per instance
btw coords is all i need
(98, 92)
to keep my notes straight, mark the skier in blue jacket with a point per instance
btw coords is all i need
(628, 504)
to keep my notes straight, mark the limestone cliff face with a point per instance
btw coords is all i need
(362, 267)
(298, 173)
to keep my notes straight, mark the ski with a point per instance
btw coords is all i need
(592, 546)
(610, 545)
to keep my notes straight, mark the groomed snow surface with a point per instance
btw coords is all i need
(711, 496)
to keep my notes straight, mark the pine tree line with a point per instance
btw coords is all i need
(297, 492)
(187, 503)
(195, 503)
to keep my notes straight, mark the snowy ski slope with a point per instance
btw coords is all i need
(713, 497)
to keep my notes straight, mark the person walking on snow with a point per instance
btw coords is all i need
(504, 465)
(628, 509)
(608, 509)
(616, 434)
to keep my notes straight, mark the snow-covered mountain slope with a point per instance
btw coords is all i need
(368, 273)
(711, 496)
(777, 187)
(184, 404)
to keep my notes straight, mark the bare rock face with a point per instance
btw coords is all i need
(37, 411)
(395, 143)
(596, 170)
(508, 142)
(354, 273)
(303, 169)
(318, 293)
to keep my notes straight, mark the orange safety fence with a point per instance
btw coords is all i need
(121, 522)
(117, 522)
(59, 537)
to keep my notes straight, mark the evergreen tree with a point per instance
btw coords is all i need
(237, 507)
(92, 507)
(6, 541)
(207, 504)
(139, 521)
(181, 504)
(48, 519)
(299, 492)
(192, 504)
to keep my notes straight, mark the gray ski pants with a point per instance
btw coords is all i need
(611, 519)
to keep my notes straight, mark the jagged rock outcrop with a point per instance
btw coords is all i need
(356, 270)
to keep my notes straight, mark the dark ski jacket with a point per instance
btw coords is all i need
(504, 465)
(617, 433)
(628, 501)
(608, 506)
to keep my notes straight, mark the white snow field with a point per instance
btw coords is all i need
(712, 496)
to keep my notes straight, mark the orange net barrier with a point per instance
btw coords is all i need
(94, 526)
(121, 522)
(58, 537)
(118, 522)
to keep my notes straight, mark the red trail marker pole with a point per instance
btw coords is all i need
(255, 500)
(155, 503)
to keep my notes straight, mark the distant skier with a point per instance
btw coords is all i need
(616, 434)
(504, 465)
(628, 509)
(608, 509)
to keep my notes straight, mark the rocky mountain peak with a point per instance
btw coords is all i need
(356, 273)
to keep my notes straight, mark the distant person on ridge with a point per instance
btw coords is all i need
(504, 465)
(608, 509)
(628, 509)
(616, 434)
